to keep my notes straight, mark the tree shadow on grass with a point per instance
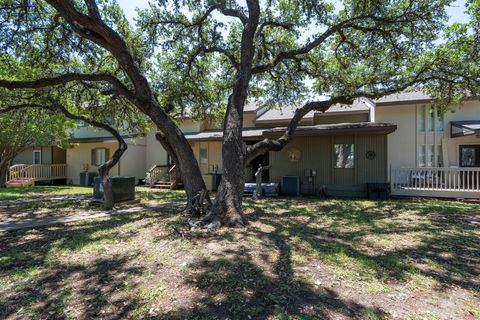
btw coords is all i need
(449, 242)
(45, 287)
(93, 295)
(232, 285)
(239, 279)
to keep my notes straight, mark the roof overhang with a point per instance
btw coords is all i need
(316, 130)
(336, 129)
(100, 139)
(404, 102)
(217, 135)
(464, 128)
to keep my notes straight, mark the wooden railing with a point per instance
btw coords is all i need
(162, 173)
(38, 172)
(437, 182)
(157, 173)
(16, 171)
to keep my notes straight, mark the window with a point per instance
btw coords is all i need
(99, 156)
(203, 156)
(344, 155)
(431, 119)
(440, 120)
(470, 156)
(439, 156)
(421, 156)
(37, 157)
(421, 118)
(431, 156)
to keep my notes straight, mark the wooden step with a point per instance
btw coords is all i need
(162, 186)
(20, 182)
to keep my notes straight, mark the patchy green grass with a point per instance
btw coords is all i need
(307, 258)
(43, 191)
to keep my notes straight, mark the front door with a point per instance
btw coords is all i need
(469, 155)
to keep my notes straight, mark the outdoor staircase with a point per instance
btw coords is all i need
(20, 182)
(163, 177)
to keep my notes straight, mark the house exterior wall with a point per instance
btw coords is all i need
(469, 110)
(154, 152)
(317, 153)
(249, 119)
(402, 142)
(131, 163)
(26, 157)
(59, 155)
(190, 125)
(405, 142)
(327, 119)
(83, 132)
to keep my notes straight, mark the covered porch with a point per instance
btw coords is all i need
(23, 175)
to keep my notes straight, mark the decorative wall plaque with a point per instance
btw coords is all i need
(293, 154)
(370, 155)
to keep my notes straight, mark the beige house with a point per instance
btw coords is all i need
(400, 139)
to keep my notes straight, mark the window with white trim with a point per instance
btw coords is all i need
(99, 156)
(344, 155)
(37, 157)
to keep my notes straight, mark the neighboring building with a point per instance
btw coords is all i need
(336, 153)
(91, 147)
(424, 136)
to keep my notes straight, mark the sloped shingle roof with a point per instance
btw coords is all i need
(403, 97)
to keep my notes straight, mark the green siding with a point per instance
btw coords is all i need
(317, 153)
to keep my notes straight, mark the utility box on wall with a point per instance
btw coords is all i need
(123, 188)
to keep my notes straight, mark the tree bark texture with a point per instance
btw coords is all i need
(228, 202)
(3, 173)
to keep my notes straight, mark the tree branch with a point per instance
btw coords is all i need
(200, 50)
(66, 78)
(277, 144)
(122, 145)
(345, 24)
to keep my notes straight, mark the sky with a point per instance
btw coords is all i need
(456, 11)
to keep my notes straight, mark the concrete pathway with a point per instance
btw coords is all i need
(40, 222)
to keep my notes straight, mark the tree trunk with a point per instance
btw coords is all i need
(3, 173)
(108, 200)
(228, 202)
(192, 181)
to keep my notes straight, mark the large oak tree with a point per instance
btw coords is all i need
(280, 52)
(212, 56)
(87, 51)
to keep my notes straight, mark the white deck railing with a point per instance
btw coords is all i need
(436, 182)
(38, 172)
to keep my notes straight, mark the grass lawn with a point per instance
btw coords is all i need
(305, 258)
(42, 191)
